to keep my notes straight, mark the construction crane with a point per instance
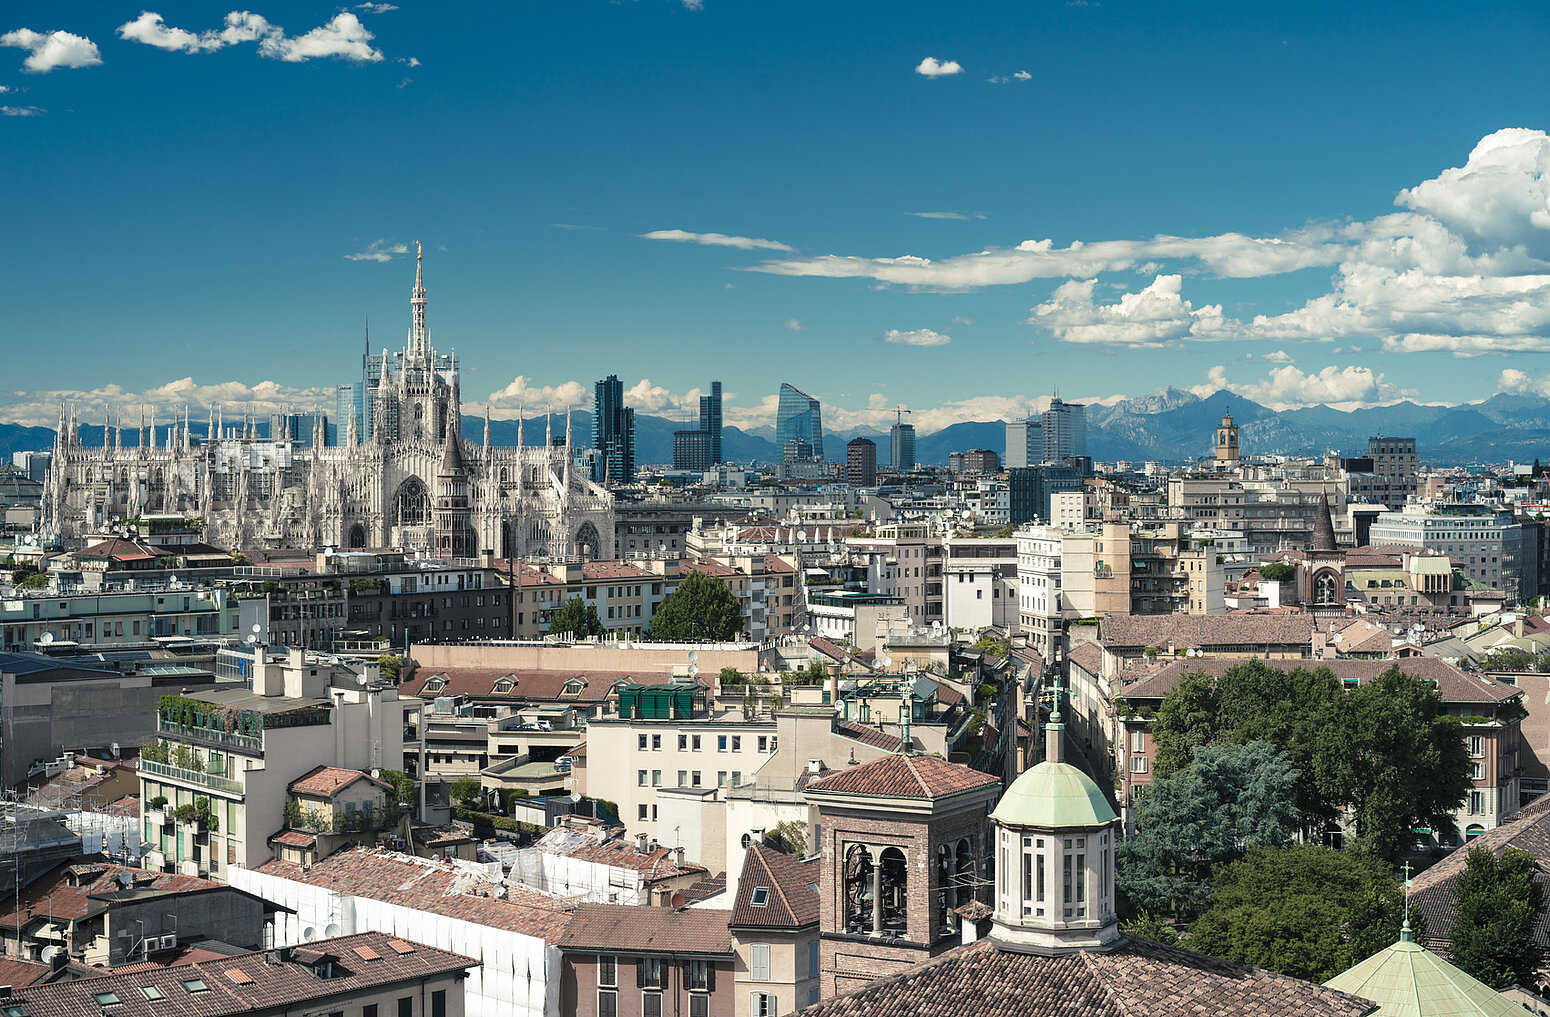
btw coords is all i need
(898, 414)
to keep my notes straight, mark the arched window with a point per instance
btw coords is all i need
(858, 889)
(414, 503)
(1324, 588)
(357, 536)
(893, 888)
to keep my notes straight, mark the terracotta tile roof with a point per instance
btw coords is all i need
(1140, 979)
(1088, 657)
(946, 694)
(704, 889)
(655, 865)
(781, 882)
(129, 806)
(868, 735)
(53, 894)
(1431, 892)
(579, 750)
(901, 776)
(774, 563)
(431, 886)
(247, 982)
(15, 972)
(532, 686)
(1453, 685)
(1129, 630)
(327, 781)
(622, 927)
(293, 838)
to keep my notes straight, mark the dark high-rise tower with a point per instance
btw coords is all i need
(710, 419)
(615, 431)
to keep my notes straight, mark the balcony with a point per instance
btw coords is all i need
(250, 744)
(199, 777)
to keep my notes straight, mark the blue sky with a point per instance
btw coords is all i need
(1304, 203)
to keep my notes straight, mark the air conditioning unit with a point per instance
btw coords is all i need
(169, 942)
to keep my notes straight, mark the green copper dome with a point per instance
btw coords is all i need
(1053, 795)
(1407, 980)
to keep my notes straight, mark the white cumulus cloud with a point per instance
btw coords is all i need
(916, 337)
(48, 50)
(20, 111)
(1150, 317)
(522, 394)
(379, 250)
(343, 36)
(371, 8)
(1287, 388)
(795, 325)
(716, 240)
(233, 398)
(931, 67)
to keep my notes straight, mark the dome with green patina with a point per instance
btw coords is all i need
(1407, 980)
(1053, 795)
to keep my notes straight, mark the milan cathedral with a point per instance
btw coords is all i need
(410, 482)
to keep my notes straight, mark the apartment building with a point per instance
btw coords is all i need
(216, 783)
(171, 616)
(979, 582)
(1487, 544)
(624, 593)
(904, 561)
(623, 961)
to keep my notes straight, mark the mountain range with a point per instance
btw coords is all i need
(1170, 425)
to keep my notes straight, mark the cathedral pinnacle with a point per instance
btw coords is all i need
(417, 339)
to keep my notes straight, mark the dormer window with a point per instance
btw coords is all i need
(573, 687)
(435, 684)
(504, 686)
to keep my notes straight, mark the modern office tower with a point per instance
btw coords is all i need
(356, 401)
(798, 416)
(701, 449)
(298, 427)
(1065, 431)
(1025, 442)
(710, 420)
(861, 462)
(901, 438)
(1031, 488)
(615, 431)
(692, 450)
(1397, 466)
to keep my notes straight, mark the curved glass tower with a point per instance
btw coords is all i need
(798, 416)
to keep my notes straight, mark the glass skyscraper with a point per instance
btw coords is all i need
(798, 416)
(614, 425)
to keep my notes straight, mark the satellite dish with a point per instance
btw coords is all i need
(694, 655)
(802, 536)
(360, 679)
(332, 931)
(694, 669)
(257, 628)
(125, 879)
(252, 640)
(887, 660)
(678, 900)
(48, 637)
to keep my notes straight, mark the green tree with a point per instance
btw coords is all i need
(1229, 799)
(391, 665)
(1510, 659)
(791, 836)
(1306, 911)
(1151, 926)
(990, 646)
(1185, 721)
(1277, 572)
(701, 608)
(576, 618)
(731, 678)
(1394, 761)
(466, 791)
(405, 790)
(1497, 903)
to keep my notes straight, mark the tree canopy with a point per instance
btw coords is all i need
(1230, 798)
(1496, 903)
(1306, 911)
(577, 619)
(701, 608)
(1381, 750)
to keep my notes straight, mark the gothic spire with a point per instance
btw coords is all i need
(487, 429)
(521, 412)
(548, 427)
(418, 342)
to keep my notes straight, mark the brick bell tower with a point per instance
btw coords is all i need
(904, 841)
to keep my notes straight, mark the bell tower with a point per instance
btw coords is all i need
(903, 842)
(1226, 444)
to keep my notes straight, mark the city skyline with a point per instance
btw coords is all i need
(1099, 199)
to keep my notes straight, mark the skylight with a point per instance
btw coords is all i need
(151, 992)
(195, 985)
(106, 998)
(761, 896)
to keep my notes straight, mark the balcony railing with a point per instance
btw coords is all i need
(208, 780)
(253, 744)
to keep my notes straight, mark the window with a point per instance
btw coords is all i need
(656, 743)
(151, 992)
(608, 971)
(721, 743)
(1477, 771)
(759, 962)
(698, 975)
(699, 1005)
(696, 742)
(656, 778)
(683, 743)
(683, 778)
(644, 813)
(439, 1003)
(641, 743)
(648, 973)
(763, 743)
(694, 779)
(405, 1006)
(1476, 802)
(1138, 741)
(761, 897)
(1138, 764)
(1477, 745)
(369, 1010)
(106, 998)
(640, 777)
(761, 1004)
(737, 743)
(651, 1004)
(608, 1004)
(812, 959)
